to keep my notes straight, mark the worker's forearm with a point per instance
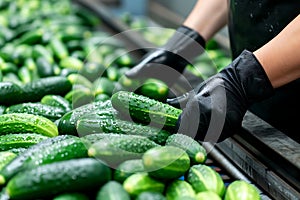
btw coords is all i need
(208, 17)
(280, 57)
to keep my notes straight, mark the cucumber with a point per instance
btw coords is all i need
(112, 73)
(208, 195)
(10, 93)
(2, 109)
(178, 189)
(50, 112)
(67, 124)
(196, 152)
(58, 48)
(27, 123)
(112, 190)
(21, 140)
(18, 150)
(145, 110)
(36, 90)
(39, 51)
(154, 89)
(166, 162)
(203, 178)
(47, 151)
(103, 122)
(142, 182)
(103, 85)
(150, 196)
(56, 101)
(79, 96)
(7, 67)
(24, 75)
(127, 168)
(78, 79)
(66, 176)
(241, 190)
(71, 63)
(11, 77)
(5, 158)
(71, 196)
(102, 97)
(44, 67)
(119, 149)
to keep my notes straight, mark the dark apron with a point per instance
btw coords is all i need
(252, 23)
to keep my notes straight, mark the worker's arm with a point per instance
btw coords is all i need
(280, 57)
(169, 61)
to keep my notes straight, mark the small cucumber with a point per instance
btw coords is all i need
(27, 123)
(102, 97)
(5, 158)
(71, 196)
(112, 73)
(10, 93)
(71, 63)
(150, 196)
(112, 190)
(178, 189)
(21, 140)
(241, 190)
(166, 162)
(50, 112)
(119, 149)
(208, 195)
(142, 182)
(203, 178)
(196, 152)
(56, 101)
(103, 85)
(59, 49)
(145, 110)
(74, 175)
(78, 79)
(154, 89)
(127, 168)
(44, 67)
(41, 51)
(31, 37)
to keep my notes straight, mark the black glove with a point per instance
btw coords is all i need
(168, 62)
(216, 109)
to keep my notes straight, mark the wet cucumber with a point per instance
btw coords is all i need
(150, 196)
(142, 182)
(48, 151)
(241, 190)
(204, 178)
(21, 140)
(10, 93)
(52, 179)
(166, 162)
(5, 158)
(103, 85)
(112, 190)
(50, 112)
(56, 101)
(27, 123)
(154, 89)
(107, 123)
(208, 195)
(44, 67)
(127, 168)
(145, 110)
(193, 148)
(178, 189)
(59, 49)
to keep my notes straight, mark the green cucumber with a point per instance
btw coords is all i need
(112, 190)
(196, 152)
(208, 195)
(5, 158)
(24, 75)
(27, 123)
(32, 37)
(241, 190)
(48, 151)
(142, 182)
(71, 63)
(150, 196)
(60, 177)
(2, 109)
(127, 168)
(50, 112)
(166, 162)
(204, 178)
(178, 189)
(78, 79)
(119, 149)
(145, 110)
(102, 97)
(79, 96)
(41, 51)
(21, 140)
(103, 122)
(154, 89)
(67, 124)
(71, 196)
(36, 90)
(112, 73)
(10, 93)
(11, 77)
(18, 150)
(7, 67)
(56, 101)
(44, 67)
(58, 48)
(103, 85)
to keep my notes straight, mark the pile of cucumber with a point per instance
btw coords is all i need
(73, 127)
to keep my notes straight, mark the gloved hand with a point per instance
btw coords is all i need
(168, 62)
(215, 110)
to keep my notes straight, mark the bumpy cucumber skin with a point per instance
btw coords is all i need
(240, 189)
(55, 149)
(112, 190)
(127, 168)
(58, 177)
(22, 140)
(5, 158)
(145, 110)
(27, 123)
(204, 178)
(196, 152)
(107, 124)
(178, 189)
(166, 162)
(57, 101)
(50, 112)
(10, 93)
